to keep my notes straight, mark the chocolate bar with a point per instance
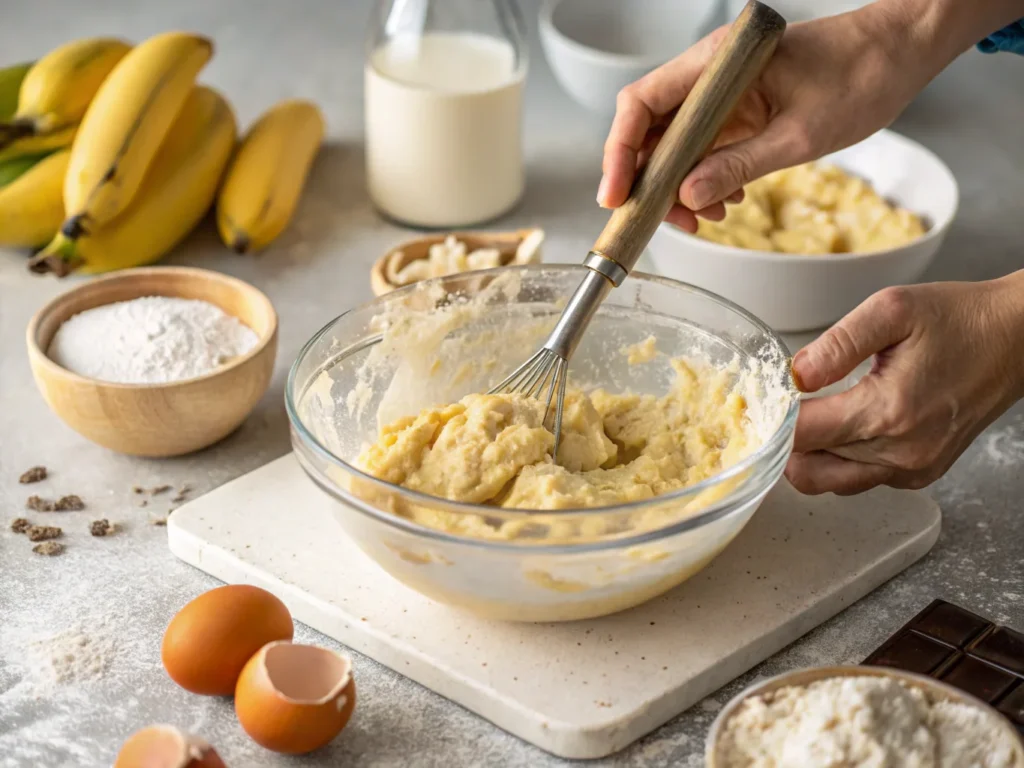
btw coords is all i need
(962, 649)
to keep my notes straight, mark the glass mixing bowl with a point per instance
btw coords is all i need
(434, 342)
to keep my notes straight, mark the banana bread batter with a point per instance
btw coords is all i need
(616, 448)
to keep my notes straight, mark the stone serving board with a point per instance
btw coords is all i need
(582, 689)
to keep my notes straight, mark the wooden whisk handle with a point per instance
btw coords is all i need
(691, 134)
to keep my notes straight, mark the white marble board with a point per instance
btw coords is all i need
(583, 689)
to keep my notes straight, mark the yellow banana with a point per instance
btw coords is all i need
(37, 145)
(10, 83)
(125, 125)
(32, 206)
(57, 90)
(265, 179)
(12, 169)
(177, 191)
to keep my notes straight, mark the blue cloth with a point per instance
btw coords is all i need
(1008, 40)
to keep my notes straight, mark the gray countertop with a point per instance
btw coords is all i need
(121, 591)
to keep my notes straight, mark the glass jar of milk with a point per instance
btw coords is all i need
(443, 101)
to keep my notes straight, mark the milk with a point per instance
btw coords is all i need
(443, 126)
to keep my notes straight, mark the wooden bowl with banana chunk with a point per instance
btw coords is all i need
(442, 254)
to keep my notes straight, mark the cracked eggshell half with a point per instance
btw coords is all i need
(164, 746)
(295, 698)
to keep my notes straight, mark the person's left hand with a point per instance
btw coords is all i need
(949, 359)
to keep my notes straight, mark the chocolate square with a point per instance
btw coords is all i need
(1003, 647)
(979, 679)
(1013, 706)
(911, 652)
(950, 623)
(964, 650)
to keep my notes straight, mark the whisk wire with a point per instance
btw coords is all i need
(545, 370)
(562, 376)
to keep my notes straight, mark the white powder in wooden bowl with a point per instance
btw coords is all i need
(861, 722)
(150, 340)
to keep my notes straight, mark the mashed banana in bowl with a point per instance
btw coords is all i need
(813, 209)
(679, 405)
(615, 448)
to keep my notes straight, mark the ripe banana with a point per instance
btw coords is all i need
(57, 90)
(176, 193)
(125, 125)
(265, 179)
(12, 169)
(38, 145)
(10, 83)
(32, 206)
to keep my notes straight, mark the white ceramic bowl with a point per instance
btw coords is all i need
(801, 10)
(597, 47)
(800, 293)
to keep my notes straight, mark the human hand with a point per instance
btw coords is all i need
(949, 359)
(830, 83)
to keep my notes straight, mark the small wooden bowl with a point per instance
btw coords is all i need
(157, 420)
(419, 248)
(933, 689)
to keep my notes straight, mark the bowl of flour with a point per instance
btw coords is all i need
(154, 362)
(860, 717)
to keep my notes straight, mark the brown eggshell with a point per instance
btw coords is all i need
(295, 698)
(164, 746)
(209, 641)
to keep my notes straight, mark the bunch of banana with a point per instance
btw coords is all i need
(58, 88)
(266, 177)
(111, 154)
(177, 190)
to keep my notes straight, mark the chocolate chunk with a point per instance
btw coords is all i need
(20, 525)
(950, 624)
(33, 475)
(911, 652)
(160, 489)
(1004, 647)
(43, 532)
(37, 504)
(101, 527)
(979, 679)
(50, 548)
(70, 503)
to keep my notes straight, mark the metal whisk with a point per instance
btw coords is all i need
(740, 58)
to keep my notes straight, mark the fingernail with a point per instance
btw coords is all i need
(798, 361)
(702, 194)
(602, 191)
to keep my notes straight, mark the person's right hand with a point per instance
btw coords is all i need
(831, 83)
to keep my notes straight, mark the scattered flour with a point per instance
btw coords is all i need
(862, 722)
(150, 340)
(75, 655)
(1004, 448)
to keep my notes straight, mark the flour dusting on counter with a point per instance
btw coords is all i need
(72, 656)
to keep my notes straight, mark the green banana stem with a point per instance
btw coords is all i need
(59, 257)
